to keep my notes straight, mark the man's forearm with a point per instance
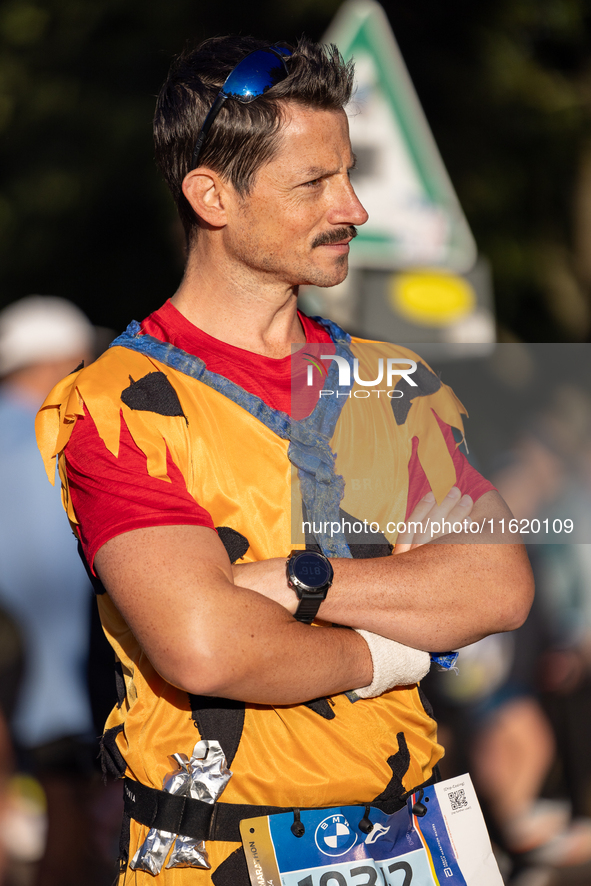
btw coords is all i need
(435, 597)
(284, 662)
(442, 595)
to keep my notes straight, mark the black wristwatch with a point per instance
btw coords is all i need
(310, 575)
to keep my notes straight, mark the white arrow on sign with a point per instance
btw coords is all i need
(414, 215)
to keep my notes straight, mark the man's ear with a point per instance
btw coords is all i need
(205, 191)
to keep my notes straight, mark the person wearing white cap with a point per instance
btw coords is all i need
(36, 334)
(43, 585)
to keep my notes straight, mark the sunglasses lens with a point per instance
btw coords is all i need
(250, 78)
(254, 75)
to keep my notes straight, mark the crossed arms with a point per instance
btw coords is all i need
(212, 629)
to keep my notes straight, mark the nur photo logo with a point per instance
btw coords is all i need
(392, 368)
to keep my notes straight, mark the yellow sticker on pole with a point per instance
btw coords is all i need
(431, 298)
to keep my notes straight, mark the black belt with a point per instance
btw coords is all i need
(218, 821)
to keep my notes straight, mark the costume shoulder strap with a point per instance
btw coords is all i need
(309, 447)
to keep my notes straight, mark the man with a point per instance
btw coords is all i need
(183, 428)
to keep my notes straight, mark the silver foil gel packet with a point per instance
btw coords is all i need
(202, 777)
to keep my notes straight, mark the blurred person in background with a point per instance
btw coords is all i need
(548, 479)
(520, 707)
(44, 589)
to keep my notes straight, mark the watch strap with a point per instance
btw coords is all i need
(309, 597)
(308, 608)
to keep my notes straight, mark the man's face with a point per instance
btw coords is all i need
(296, 224)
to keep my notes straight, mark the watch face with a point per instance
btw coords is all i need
(312, 570)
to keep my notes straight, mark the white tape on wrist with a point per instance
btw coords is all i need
(393, 664)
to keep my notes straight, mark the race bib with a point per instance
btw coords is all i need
(448, 844)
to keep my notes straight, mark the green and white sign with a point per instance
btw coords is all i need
(415, 218)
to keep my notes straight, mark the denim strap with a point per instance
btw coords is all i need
(321, 488)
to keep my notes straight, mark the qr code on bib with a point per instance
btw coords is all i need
(457, 799)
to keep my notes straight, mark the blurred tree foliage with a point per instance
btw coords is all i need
(83, 212)
(506, 85)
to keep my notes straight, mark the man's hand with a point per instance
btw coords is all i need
(455, 507)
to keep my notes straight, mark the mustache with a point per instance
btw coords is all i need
(336, 236)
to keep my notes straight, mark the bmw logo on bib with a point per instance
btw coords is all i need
(334, 836)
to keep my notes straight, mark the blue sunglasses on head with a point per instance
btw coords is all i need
(252, 76)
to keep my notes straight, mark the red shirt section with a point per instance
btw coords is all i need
(265, 377)
(468, 480)
(116, 495)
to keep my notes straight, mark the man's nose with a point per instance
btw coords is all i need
(347, 209)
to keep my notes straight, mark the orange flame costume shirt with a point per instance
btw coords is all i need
(239, 470)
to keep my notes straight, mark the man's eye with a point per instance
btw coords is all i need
(312, 184)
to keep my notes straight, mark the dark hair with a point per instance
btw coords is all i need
(244, 136)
